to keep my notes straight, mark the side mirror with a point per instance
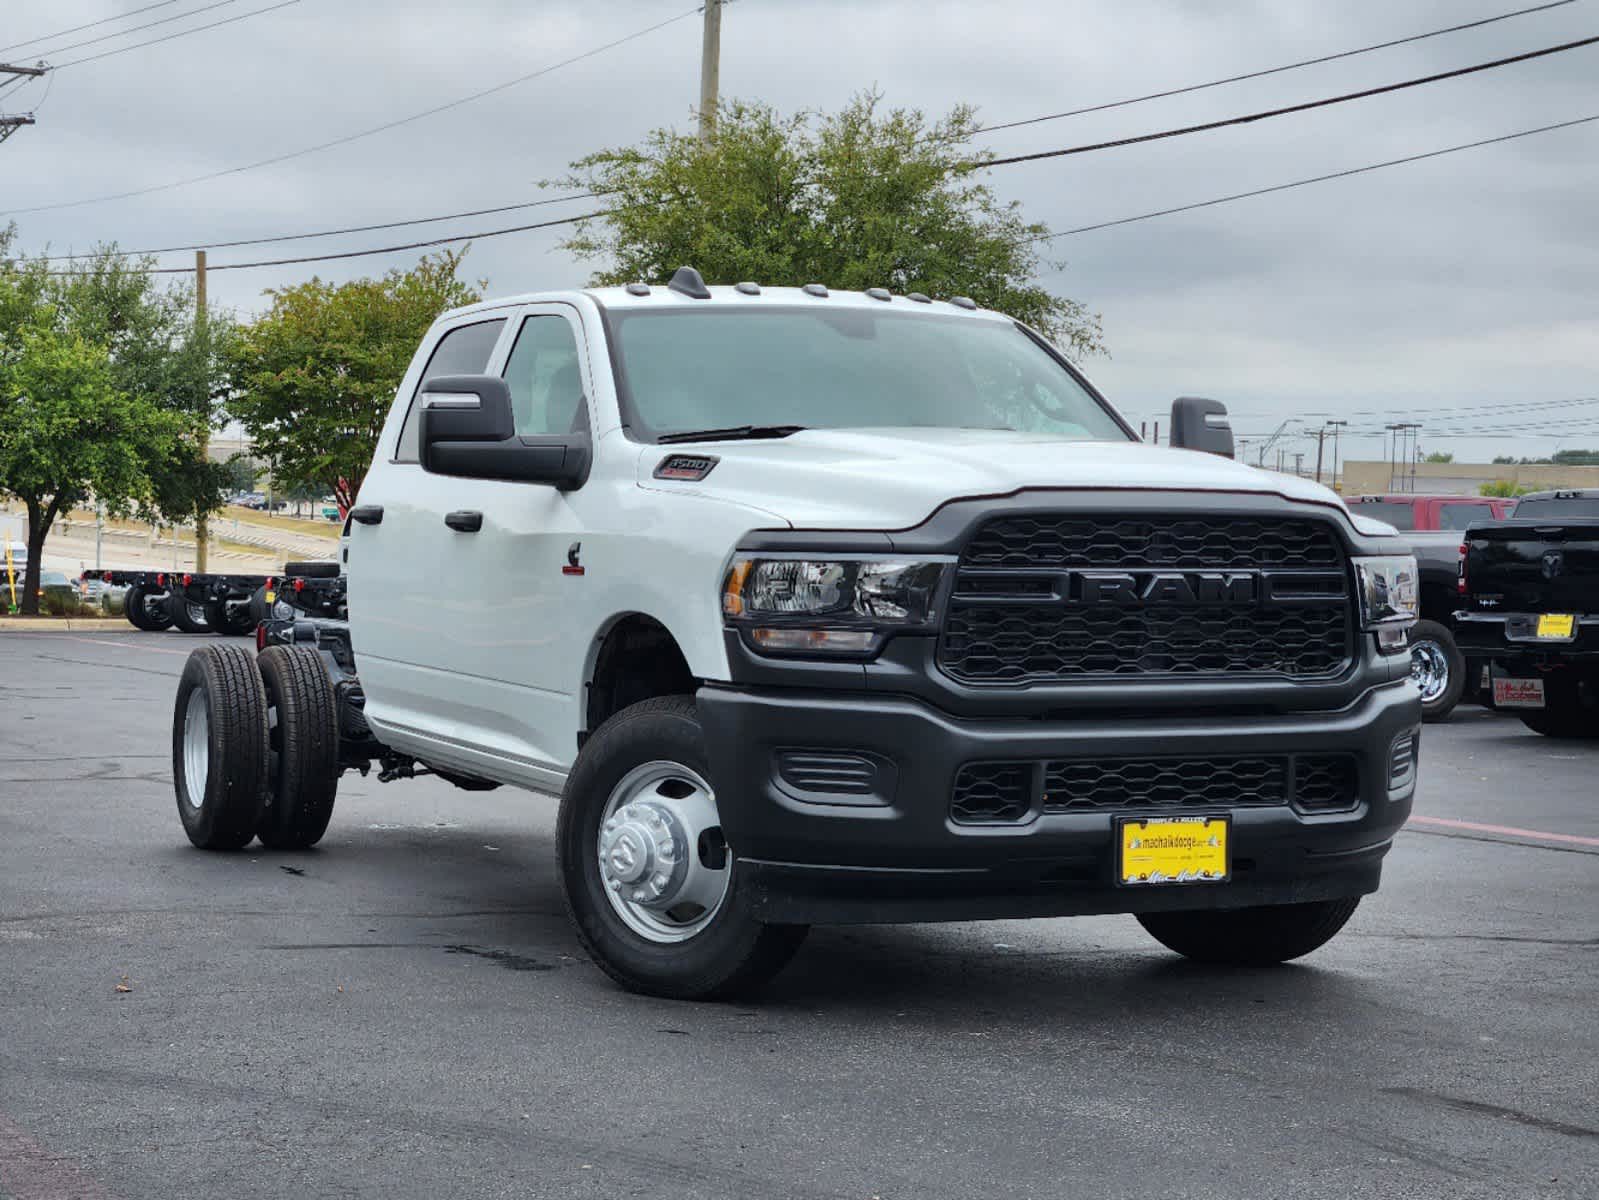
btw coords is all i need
(467, 429)
(1201, 424)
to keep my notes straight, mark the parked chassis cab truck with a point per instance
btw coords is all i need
(222, 603)
(838, 607)
(1432, 525)
(1529, 611)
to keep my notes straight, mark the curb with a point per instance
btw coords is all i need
(63, 624)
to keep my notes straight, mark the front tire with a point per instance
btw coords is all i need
(303, 742)
(144, 613)
(1438, 668)
(664, 913)
(187, 615)
(219, 747)
(231, 618)
(1250, 937)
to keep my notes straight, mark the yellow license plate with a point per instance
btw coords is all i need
(1173, 850)
(1556, 625)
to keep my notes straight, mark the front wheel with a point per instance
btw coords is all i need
(187, 615)
(1250, 937)
(144, 611)
(648, 877)
(1438, 669)
(229, 617)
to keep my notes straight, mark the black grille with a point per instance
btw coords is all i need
(1327, 783)
(992, 793)
(1015, 619)
(1049, 540)
(1170, 783)
(1000, 793)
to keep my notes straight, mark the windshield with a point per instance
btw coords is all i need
(1546, 507)
(846, 368)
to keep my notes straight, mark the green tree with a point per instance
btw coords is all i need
(861, 198)
(1576, 458)
(313, 378)
(67, 432)
(1439, 456)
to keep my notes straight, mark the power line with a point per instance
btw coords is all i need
(50, 37)
(78, 62)
(106, 37)
(1298, 183)
(1266, 114)
(364, 133)
(1293, 66)
(297, 237)
(423, 245)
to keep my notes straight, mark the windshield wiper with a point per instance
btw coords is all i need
(732, 433)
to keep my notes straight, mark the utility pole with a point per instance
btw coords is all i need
(1321, 438)
(202, 335)
(1337, 427)
(9, 125)
(710, 68)
(1299, 463)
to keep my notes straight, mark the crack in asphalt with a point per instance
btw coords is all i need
(1481, 1107)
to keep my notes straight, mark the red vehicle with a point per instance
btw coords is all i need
(1427, 514)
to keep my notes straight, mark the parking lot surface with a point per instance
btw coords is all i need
(404, 1012)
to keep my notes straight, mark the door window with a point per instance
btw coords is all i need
(545, 382)
(464, 350)
(1461, 516)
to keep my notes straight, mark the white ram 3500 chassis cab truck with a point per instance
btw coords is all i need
(824, 607)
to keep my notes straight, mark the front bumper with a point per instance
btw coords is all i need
(898, 855)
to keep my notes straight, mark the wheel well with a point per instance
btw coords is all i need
(637, 660)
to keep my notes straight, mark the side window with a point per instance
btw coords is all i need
(464, 350)
(546, 386)
(1459, 516)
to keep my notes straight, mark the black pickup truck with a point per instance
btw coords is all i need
(1530, 611)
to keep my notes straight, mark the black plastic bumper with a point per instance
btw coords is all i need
(898, 855)
(1511, 640)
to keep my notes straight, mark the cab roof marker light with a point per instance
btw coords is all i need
(638, 289)
(965, 302)
(686, 281)
(920, 297)
(879, 293)
(747, 288)
(815, 289)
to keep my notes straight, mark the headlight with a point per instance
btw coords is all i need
(829, 606)
(1389, 598)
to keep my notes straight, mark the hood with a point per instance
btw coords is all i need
(895, 478)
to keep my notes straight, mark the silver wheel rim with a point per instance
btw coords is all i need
(196, 748)
(1429, 668)
(196, 613)
(654, 826)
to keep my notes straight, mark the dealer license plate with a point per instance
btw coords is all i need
(1518, 693)
(1556, 625)
(1173, 850)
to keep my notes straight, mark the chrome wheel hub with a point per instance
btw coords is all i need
(661, 859)
(196, 747)
(1429, 669)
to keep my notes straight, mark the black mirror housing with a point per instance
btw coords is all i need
(1201, 424)
(468, 430)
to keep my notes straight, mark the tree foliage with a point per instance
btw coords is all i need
(314, 377)
(1503, 488)
(1439, 456)
(866, 197)
(68, 431)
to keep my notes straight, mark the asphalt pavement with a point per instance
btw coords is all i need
(404, 1012)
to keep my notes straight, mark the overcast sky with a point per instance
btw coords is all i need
(1460, 283)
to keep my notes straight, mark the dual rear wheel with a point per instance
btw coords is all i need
(255, 748)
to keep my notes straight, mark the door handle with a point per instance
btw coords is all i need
(367, 514)
(464, 521)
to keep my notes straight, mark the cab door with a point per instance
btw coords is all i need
(484, 671)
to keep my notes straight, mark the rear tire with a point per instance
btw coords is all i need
(230, 618)
(687, 952)
(1250, 937)
(1565, 715)
(1438, 668)
(142, 612)
(303, 742)
(219, 747)
(186, 615)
